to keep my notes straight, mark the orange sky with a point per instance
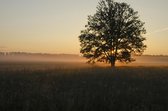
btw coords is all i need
(53, 26)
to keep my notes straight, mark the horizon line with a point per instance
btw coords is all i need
(42, 53)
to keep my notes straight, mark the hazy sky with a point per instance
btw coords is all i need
(53, 26)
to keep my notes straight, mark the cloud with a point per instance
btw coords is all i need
(161, 30)
(158, 31)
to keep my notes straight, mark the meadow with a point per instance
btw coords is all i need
(60, 86)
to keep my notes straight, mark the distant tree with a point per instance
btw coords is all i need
(113, 33)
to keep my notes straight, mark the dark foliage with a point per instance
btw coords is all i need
(113, 33)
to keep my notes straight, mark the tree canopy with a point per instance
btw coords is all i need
(113, 33)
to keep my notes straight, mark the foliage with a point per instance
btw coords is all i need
(113, 33)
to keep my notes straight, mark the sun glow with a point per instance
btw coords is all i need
(112, 52)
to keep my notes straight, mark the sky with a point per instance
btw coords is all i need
(53, 26)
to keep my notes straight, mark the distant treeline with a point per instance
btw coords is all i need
(35, 54)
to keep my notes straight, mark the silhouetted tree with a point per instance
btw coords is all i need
(113, 33)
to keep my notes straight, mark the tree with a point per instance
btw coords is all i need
(113, 33)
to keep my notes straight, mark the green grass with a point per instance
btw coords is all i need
(24, 87)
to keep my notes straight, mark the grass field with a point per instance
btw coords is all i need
(78, 87)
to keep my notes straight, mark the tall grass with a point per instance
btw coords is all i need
(84, 89)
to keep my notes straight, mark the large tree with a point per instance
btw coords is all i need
(113, 33)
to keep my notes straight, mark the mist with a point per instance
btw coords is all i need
(70, 58)
(41, 58)
(150, 61)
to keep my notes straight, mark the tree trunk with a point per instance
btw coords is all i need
(113, 64)
(113, 60)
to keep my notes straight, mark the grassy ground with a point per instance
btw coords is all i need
(38, 87)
